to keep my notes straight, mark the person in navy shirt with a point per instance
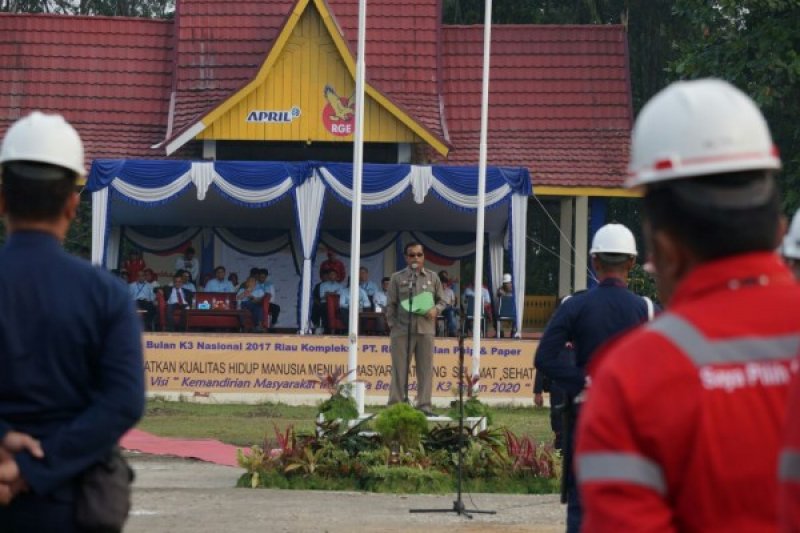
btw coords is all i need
(586, 321)
(71, 363)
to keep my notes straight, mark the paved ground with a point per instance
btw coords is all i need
(178, 495)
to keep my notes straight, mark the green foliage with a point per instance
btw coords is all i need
(754, 44)
(542, 247)
(643, 283)
(339, 458)
(353, 440)
(473, 407)
(253, 461)
(404, 482)
(404, 479)
(78, 240)
(376, 457)
(339, 407)
(515, 484)
(122, 8)
(446, 438)
(403, 424)
(482, 461)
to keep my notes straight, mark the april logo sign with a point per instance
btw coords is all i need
(338, 115)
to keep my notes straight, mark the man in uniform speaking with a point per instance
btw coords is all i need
(415, 299)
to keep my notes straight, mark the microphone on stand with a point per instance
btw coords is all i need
(413, 279)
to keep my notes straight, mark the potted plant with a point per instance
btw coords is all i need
(340, 405)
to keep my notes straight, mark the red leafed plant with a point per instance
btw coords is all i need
(333, 382)
(286, 443)
(526, 455)
(471, 383)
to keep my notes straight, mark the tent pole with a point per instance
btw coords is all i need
(355, 230)
(477, 312)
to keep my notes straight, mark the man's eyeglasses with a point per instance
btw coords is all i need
(416, 255)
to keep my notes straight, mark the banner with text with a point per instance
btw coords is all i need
(205, 364)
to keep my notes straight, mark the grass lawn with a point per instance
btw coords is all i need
(244, 425)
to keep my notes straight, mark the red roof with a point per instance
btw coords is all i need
(401, 52)
(559, 101)
(110, 77)
(560, 98)
(222, 45)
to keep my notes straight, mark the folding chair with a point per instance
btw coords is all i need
(505, 313)
(469, 309)
(335, 323)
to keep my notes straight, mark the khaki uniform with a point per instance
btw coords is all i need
(422, 333)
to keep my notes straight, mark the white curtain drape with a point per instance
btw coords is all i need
(495, 261)
(202, 175)
(464, 200)
(99, 218)
(256, 248)
(156, 194)
(447, 250)
(253, 196)
(373, 198)
(309, 198)
(367, 248)
(519, 217)
(421, 181)
(159, 244)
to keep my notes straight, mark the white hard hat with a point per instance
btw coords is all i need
(791, 241)
(42, 138)
(613, 239)
(697, 128)
(506, 278)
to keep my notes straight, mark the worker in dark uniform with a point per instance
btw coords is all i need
(71, 366)
(542, 384)
(587, 320)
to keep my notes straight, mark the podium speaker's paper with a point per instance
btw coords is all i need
(420, 304)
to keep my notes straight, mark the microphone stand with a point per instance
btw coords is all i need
(458, 505)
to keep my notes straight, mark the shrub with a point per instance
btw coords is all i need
(404, 479)
(527, 456)
(339, 407)
(472, 407)
(402, 424)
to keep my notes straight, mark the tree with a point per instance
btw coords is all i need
(754, 44)
(120, 8)
(78, 240)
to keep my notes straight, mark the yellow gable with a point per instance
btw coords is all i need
(306, 92)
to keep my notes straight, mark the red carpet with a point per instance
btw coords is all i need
(212, 451)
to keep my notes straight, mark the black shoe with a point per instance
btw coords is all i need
(426, 411)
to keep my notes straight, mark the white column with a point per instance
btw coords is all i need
(581, 241)
(482, 158)
(564, 248)
(519, 225)
(99, 217)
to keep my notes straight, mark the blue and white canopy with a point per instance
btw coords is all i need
(293, 197)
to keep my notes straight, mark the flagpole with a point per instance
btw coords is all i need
(477, 312)
(355, 230)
